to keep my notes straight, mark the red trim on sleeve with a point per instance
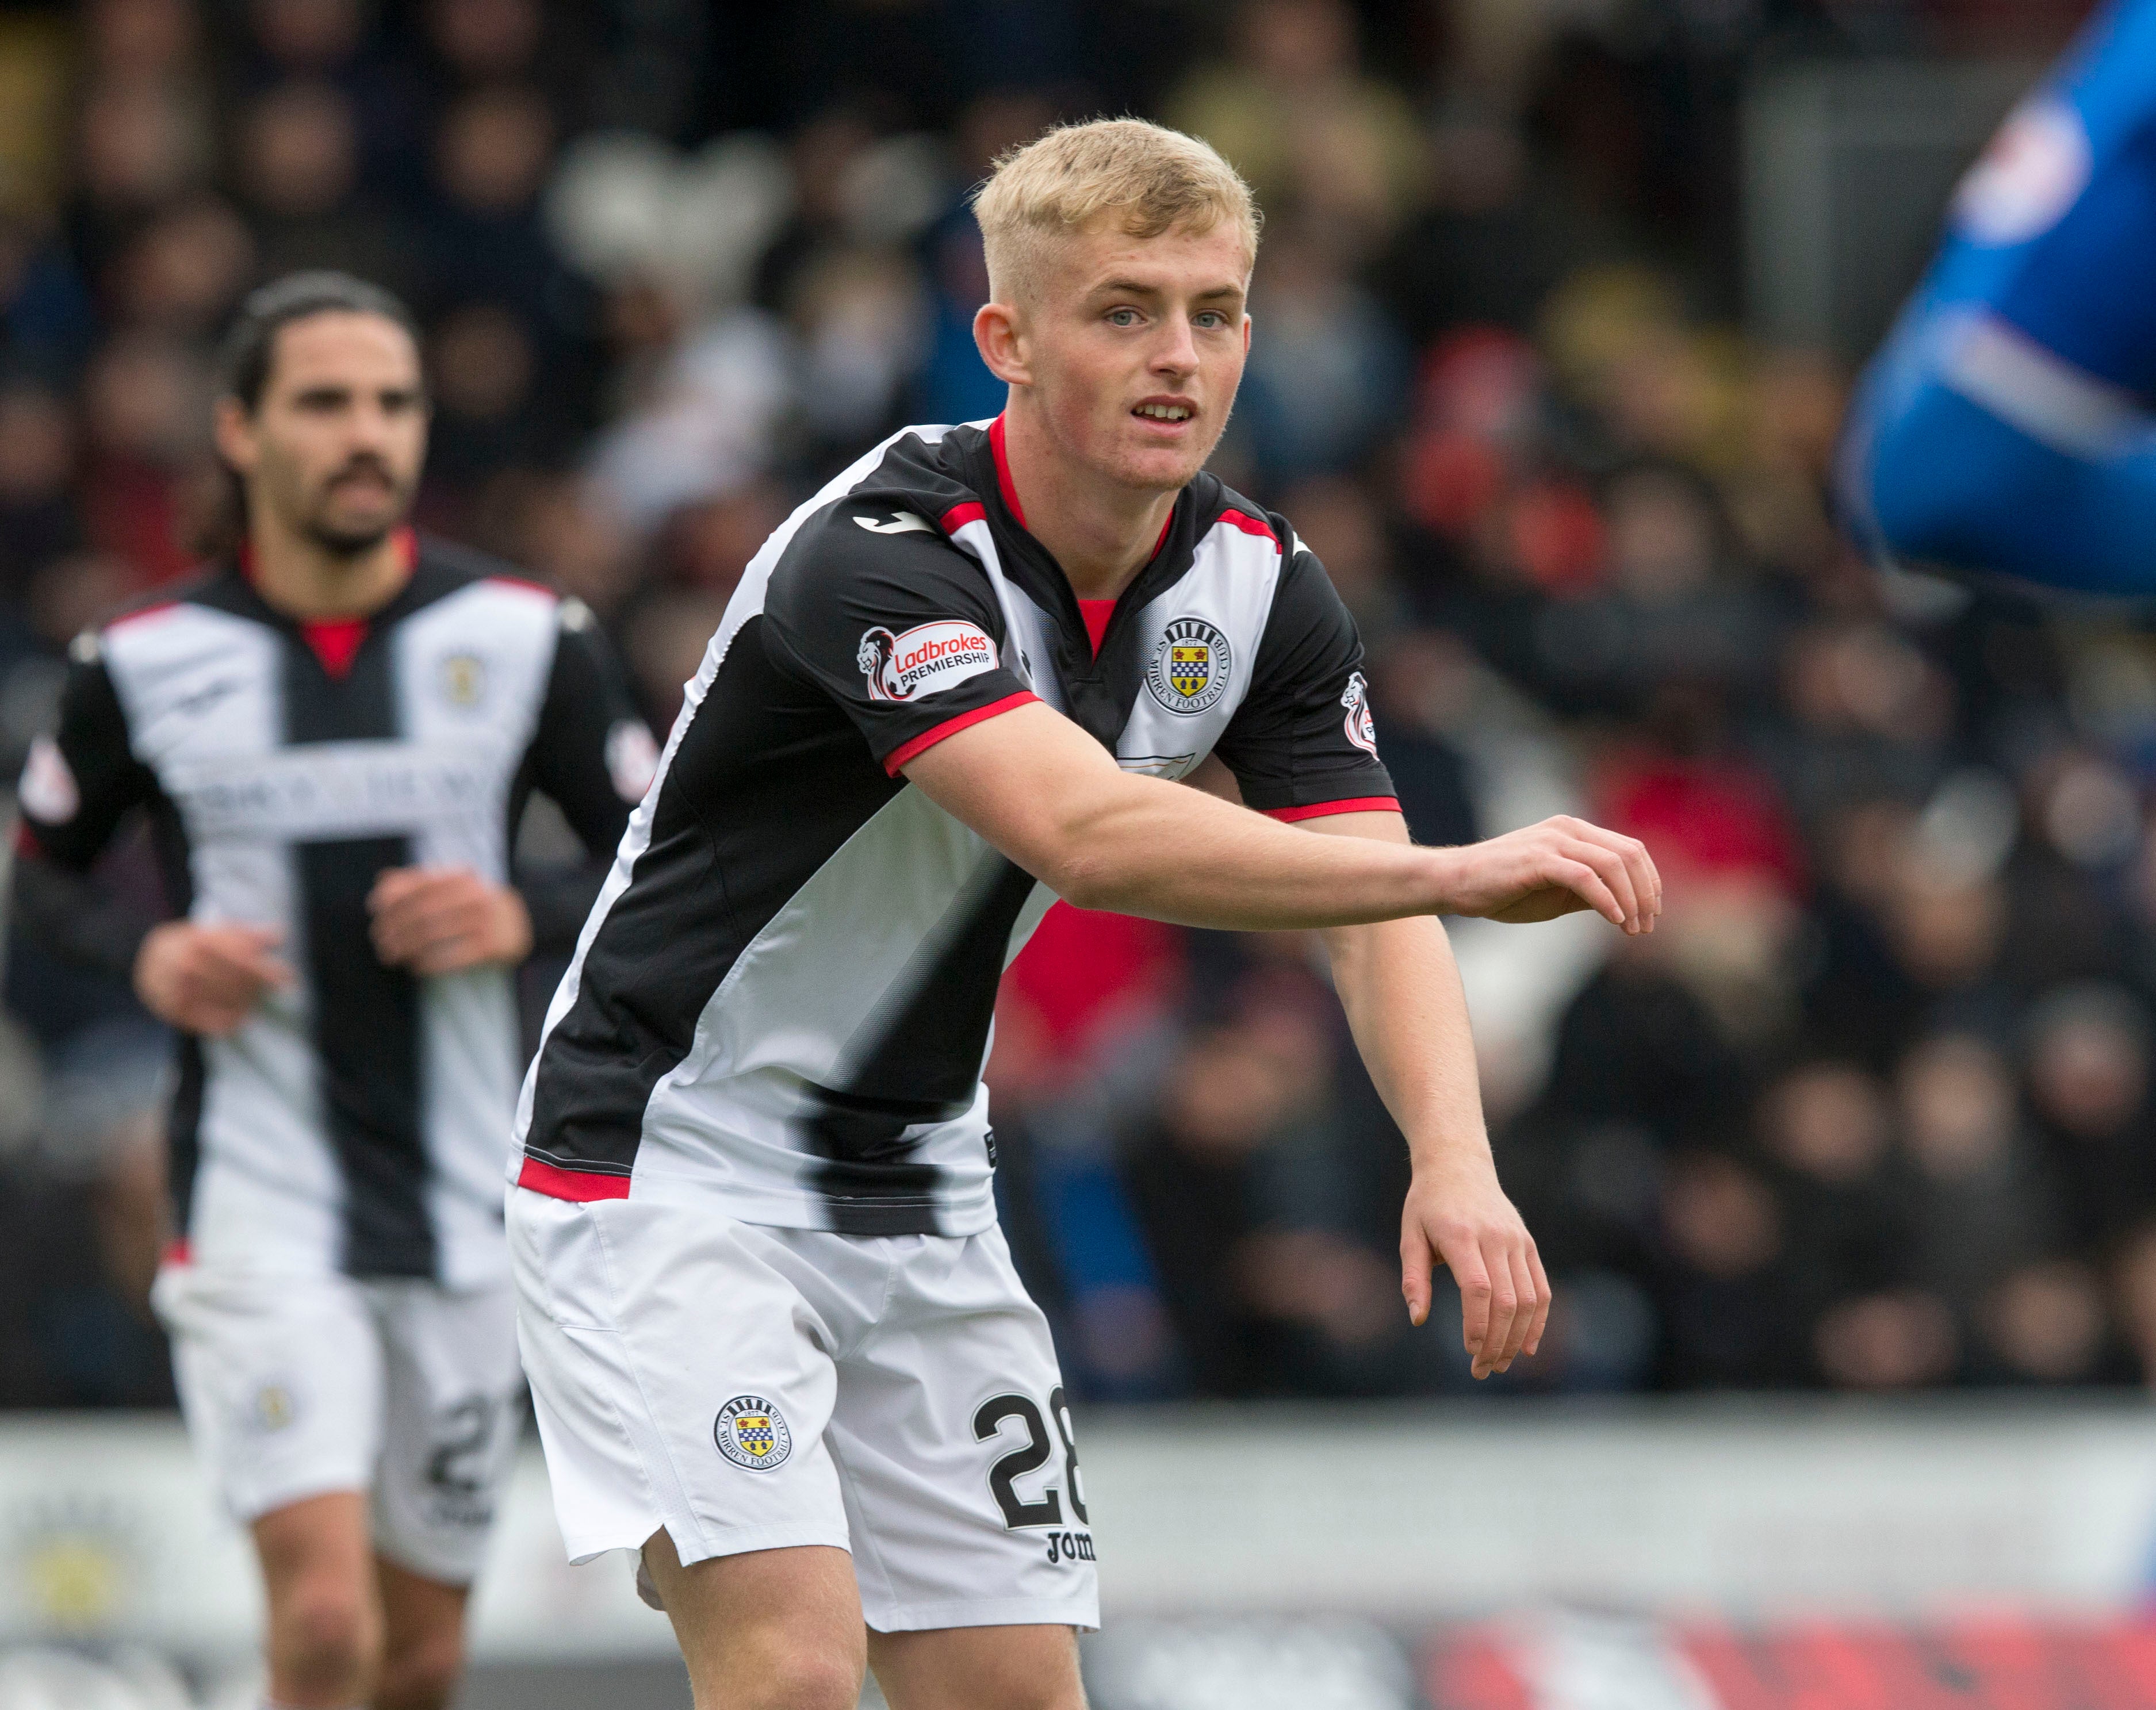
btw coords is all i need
(1250, 525)
(26, 840)
(176, 1252)
(1318, 811)
(958, 515)
(1003, 470)
(137, 615)
(579, 1185)
(951, 727)
(525, 584)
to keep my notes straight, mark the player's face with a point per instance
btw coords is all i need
(335, 447)
(1135, 347)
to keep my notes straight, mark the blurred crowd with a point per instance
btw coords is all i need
(1869, 1111)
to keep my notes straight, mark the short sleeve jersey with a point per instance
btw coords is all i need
(354, 1121)
(786, 987)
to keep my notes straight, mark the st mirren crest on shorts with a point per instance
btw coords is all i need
(751, 1432)
(1191, 665)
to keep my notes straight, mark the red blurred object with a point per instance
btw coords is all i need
(1558, 537)
(1714, 817)
(1085, 969)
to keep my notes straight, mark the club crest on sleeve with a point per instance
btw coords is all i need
(49, 791)
(463, 678)
(1191, 665)
(1362, 729)
(752, 1433)
(923, 660)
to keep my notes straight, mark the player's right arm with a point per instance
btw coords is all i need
(79, 785)
(901, 631)
(1053, 800)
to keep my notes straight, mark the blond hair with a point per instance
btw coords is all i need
(1149, 177)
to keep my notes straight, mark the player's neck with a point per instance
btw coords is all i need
(1102, 533)
(304, 579)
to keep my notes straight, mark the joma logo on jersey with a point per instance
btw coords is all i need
(1191, 665)
(925, 659)
(751, 1432)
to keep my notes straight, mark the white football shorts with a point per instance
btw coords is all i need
(749, 1387)
(297, 1386)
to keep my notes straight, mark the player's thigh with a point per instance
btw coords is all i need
(764, 1627)
(957, 1455)
(978, 1668)
(280, 1378)
(453, 1400)
(682, 1369)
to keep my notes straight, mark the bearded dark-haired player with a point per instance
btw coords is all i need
(334, 732)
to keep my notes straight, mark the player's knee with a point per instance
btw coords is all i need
(421, 1674)
(791, 1677)
(325, 1638)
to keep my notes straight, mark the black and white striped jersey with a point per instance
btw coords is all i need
(785, 991)
(357, 1121)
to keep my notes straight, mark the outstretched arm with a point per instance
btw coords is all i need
(1399, 984)
(1053, 800)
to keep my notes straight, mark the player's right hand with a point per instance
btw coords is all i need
(1556, 867)
(207, 979)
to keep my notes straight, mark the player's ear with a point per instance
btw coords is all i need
(996, 336)
(233, 430)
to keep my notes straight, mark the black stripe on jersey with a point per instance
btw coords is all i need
(366, 1019)
(733, 837)
(183, 1133)
(923, 1068)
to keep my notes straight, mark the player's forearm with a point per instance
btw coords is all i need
(1154, 849)
(1400, 987)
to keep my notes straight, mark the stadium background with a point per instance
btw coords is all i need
(1844, 1175)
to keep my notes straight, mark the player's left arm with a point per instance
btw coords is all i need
(1401, 989)
(1303, 747)
(592, 755)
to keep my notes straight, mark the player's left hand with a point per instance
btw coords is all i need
(444, 920)
(1457, 1215)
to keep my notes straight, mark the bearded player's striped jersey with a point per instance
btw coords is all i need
(358, 1120)
(784, 995)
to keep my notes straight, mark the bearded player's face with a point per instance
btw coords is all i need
(334, 445)
(1135, 347)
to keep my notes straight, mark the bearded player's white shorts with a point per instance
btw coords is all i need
(297, 1386)
(749, 1388)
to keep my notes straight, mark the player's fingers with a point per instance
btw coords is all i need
(1504, 1308)
(1584, 882)
(1543, 1294)
(1647, 879)
(1610, 863)
(1415, 1262)
(1523, 1291)
(1476, 1291)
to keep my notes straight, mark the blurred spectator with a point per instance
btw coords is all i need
(1294, 113)
(299, 166)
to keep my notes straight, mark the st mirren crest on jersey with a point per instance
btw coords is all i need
(1362, 729)
(464, 680)
(752, 1433)
(1191, 667)
(924, 660)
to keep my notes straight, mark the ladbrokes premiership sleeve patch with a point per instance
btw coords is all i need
(929, 658)
(898, 626)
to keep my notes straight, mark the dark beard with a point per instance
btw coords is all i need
(341, 543)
